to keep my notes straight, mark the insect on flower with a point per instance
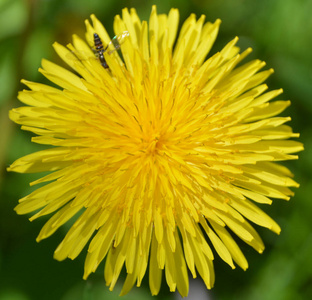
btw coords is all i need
(98, 49)
(114, 45)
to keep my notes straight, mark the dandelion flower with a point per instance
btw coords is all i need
(162, 155)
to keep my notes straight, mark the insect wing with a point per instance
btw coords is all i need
(82, 55)
(117, 41)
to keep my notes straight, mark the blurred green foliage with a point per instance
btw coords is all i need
(279, 31)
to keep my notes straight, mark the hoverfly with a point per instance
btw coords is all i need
(99, 50)
(112, 46)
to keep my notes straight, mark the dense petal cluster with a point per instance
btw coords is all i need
(162, 156)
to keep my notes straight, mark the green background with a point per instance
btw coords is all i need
(280, 33)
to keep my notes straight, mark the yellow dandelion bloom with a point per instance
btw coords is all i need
(161, 153)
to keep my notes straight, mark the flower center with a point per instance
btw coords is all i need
(153, 144)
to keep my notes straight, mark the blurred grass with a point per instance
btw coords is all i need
(280, 33)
